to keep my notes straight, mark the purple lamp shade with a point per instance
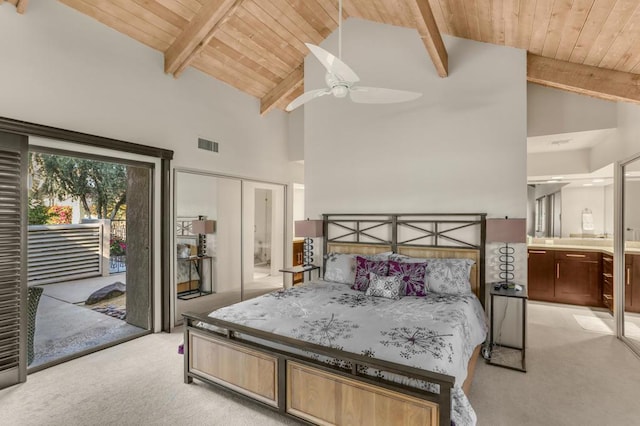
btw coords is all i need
(308, 228)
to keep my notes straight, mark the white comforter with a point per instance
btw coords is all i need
(435, 333)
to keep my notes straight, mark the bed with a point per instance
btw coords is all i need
(332, 365)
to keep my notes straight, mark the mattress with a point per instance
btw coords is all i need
(437, 333)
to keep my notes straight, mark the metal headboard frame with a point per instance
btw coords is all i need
(358, 227)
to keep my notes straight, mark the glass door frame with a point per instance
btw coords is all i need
(619, 252)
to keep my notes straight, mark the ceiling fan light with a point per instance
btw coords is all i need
(339, 91)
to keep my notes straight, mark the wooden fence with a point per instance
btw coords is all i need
(60, 253)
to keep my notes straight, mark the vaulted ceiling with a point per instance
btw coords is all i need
(586, 46)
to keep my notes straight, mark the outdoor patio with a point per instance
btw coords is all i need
(64, 326)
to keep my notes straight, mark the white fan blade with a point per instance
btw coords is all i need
(306, 97)
(377, 95)
(334, 65)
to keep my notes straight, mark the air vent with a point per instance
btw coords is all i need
(208, 145)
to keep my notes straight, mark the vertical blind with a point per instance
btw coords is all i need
(11, 234)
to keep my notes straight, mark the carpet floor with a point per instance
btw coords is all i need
(575, 377)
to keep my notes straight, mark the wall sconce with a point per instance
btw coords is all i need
(308, 229)
(202, 227)
(506, 231)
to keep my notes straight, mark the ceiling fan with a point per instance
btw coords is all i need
(341, 79)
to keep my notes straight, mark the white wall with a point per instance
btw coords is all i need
(559, 163)
(459, 148)
(629, 129)
(552, 111)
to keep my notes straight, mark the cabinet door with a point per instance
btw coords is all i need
(632, 283)
(297, 259)
(607, 282)
(578, 282)
(541, 275)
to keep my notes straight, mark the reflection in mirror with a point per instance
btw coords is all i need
(211, 280)
(263, 245)
(576, 206)
(631, 221)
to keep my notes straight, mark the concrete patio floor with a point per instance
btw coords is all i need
(65, 327)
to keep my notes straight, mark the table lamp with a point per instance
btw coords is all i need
(202, 227)
(308, 229)
(507, 231)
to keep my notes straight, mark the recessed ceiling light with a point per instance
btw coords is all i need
(597, 180)
(587, 184)
(557, 177)
(552, 181)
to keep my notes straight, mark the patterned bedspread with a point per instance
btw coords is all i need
(435, 333)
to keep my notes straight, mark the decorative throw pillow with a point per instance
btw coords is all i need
(340, 268)
(365, 266)
(412, 275)
(450, 276)
(389, 287)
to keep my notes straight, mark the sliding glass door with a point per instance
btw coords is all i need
(628, 255)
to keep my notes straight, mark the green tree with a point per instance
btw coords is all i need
(100, 187)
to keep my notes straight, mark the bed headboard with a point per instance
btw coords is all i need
(438, 235)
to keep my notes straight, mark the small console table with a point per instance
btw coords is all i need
(515, 294)
(203, 288)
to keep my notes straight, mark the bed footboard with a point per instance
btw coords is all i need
(305, 388)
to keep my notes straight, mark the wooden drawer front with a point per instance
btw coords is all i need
(580, 256)
(241, 369)
(327, 399)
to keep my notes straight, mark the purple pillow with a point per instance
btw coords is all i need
(364, 267)
(412, 275)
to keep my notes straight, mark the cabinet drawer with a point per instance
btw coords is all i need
(578, 256)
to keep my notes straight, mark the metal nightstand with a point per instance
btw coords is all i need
(301, 269)
(510, 293)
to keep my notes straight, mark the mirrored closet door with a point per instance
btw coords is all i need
(229, 240)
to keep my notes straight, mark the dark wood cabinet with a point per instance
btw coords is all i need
(565, 277)
(298, 259)
(578, 278)
(540, 283)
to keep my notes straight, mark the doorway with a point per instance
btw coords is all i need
(89, 252)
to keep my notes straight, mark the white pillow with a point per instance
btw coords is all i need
(341, 267)
(449, 276)
(396, 257)
(389, 287)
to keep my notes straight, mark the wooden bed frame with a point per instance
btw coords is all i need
(319, 393)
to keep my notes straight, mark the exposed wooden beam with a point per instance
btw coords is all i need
(21, 6)
(197, 34)
(584, 79)
(288, 85)
(428, 30)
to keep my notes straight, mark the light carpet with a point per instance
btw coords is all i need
(574, 377)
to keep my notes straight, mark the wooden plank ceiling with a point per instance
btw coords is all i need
(258, 46)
